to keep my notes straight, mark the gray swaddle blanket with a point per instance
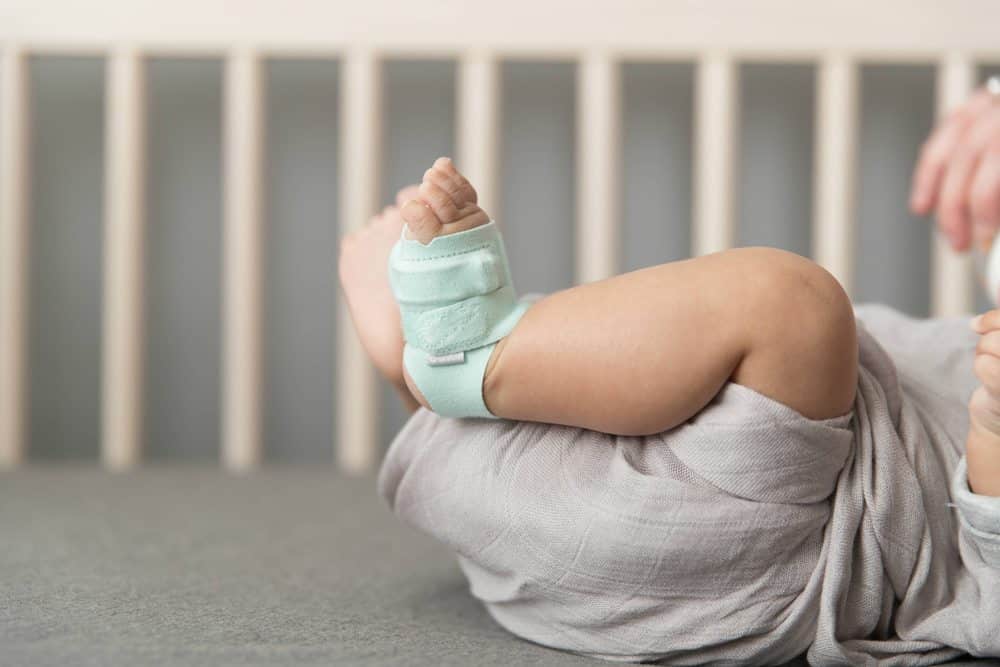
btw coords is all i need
(749, 534)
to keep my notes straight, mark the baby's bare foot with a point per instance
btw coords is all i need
(445, 203)
(364, 255)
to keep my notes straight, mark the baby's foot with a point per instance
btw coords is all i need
(457, 298)
(445, 203)
(364, 255)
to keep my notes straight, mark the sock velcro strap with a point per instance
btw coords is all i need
(454, 293)
(460, 326)
(426, 282)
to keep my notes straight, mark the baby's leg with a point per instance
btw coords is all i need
(642, 352)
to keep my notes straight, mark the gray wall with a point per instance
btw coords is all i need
(183, 260)
(894, 248)
(301, 286)
(65, 275)
(184, 244)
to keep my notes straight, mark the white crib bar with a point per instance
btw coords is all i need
(478, 122)
(833, 185)
(361, 114)
(952, 283)
(124, 198)
(598, 168)
(15, 131)
(715, 153)
(242, 383)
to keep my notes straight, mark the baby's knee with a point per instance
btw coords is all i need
(804, 336)
(805, 295)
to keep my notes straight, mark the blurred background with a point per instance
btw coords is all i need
(184, 236)
(189, 565)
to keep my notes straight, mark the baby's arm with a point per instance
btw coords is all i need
(983, 442)
(642, 352)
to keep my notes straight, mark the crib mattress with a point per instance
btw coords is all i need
(174, 565)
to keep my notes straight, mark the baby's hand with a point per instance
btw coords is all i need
(984, 407)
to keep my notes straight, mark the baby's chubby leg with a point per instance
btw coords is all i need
(644, 351)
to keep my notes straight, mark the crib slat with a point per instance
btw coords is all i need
(598, 168)
(15, 185)
(123, 260)
(361, 114)
(951, 282)
(834, 174)
(715, 154)
(244, 134)
(478, 117)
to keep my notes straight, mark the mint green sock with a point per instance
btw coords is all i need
(456, 300)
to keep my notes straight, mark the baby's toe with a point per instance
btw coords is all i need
(435, 196)
(445, 174)
(420, 220)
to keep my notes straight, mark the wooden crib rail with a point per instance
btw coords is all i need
(769, 29)
(599, 36)
(15, 171)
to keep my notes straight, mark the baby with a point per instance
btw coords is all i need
(707, 460)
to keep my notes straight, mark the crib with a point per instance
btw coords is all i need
(717, 35)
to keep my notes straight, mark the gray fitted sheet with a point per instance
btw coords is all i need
(188, 566)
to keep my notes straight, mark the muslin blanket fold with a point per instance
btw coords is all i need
(748, 535)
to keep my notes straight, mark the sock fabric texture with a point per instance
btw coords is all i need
(456, 299)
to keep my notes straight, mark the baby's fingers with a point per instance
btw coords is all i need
(987, 370)
(989, 343)
(988, 321)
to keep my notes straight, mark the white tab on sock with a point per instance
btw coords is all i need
(446, 359)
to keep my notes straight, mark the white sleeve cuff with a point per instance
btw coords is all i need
(979, 515)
